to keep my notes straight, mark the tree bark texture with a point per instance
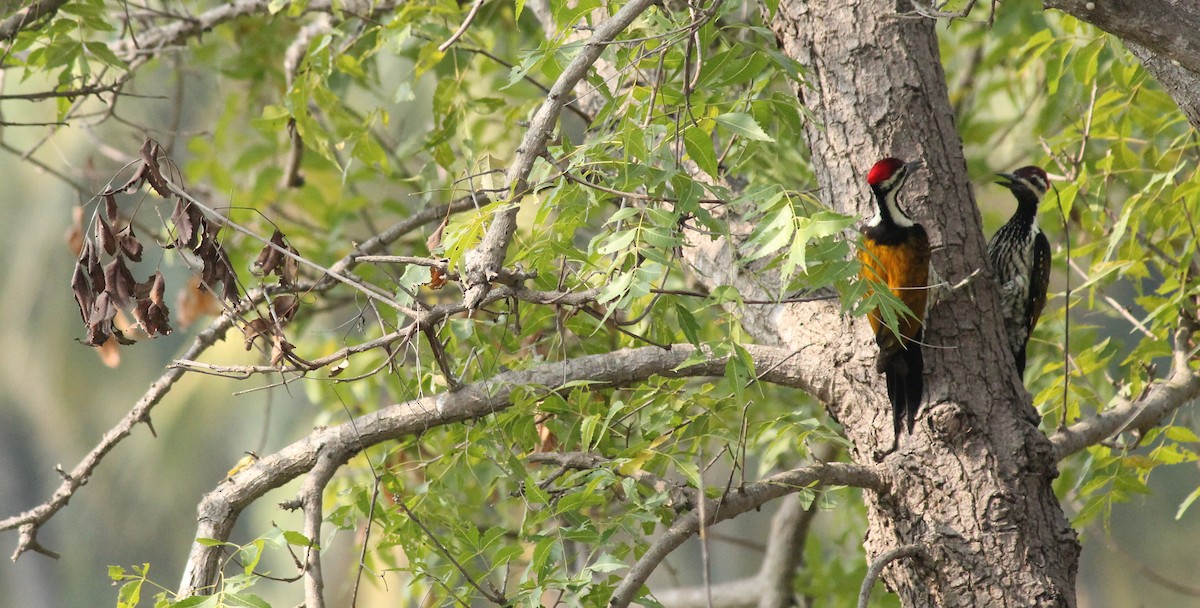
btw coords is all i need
(972, 485)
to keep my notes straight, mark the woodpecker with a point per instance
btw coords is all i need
(896, 253)
(1019, 255)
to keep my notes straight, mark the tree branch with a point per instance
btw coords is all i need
(29, 522)
(1182, 386)
(482, 263)
(785, 551)
(220, 509)
(311, 497)
(738, 501)
(864, 593)
(1182, 84)
(682, 497)
(1159, 25)
(25, 17)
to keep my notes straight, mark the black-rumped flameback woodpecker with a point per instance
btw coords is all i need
(1020, 258)
(896, 253)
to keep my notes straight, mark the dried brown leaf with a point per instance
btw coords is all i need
(185, 230)
(437, 280)
(269, 258)
(547, 441)
(104, 236)
(103, 310)
(434, 242)
(130, 244)
(75, 232)
(150, 151)
(281, 350)
(134, 181)
(119, 281)
(91, 260)
(110, 208)
(256, 328)
(157, 288)
(83, 291)
(337, 370)
(285, 308)
(121, 339)
(152, 317)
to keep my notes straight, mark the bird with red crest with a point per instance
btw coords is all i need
(896, 253)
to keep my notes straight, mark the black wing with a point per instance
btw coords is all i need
(1039, 278)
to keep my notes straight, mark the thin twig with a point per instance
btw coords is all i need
(1122, 310)
(864, 592)
(462, 29)
(491, 594)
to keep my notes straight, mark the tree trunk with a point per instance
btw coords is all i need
(972, 486)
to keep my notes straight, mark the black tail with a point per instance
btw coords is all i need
(915, 389)
(905, 370)
(1021, 362)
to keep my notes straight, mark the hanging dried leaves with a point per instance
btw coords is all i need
(102, 281)
(150, 311)
(106, 291)
(273, 259)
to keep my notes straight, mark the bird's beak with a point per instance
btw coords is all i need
(914, 165)
(1007, 180)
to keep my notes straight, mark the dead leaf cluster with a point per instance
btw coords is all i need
(103, 283)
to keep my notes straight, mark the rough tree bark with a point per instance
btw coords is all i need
(972, 485)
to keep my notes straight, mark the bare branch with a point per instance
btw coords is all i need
(1182, 386)
(483, 262)
(27, 16)
(311, 497)
(175, 33)
(1165, 27)
(740, 500)
(462, 29)
(30, 521)
(864, 593)
(785, 550)
(220, 509)
(94, 89)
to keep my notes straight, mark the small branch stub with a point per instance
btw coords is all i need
(864, 593)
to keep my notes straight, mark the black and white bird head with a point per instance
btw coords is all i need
(886, 178)
(1032, 179)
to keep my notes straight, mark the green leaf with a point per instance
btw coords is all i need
(699, 146)
(130, 593)
(605, 562)
(246, 599)
(196, 601)
(296, 539)
(688, 324)
(1187, 502)
(743, 125)
(615, 288)
(100, 51)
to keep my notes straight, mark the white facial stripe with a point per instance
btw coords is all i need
(1033, 185)
(898, 216)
